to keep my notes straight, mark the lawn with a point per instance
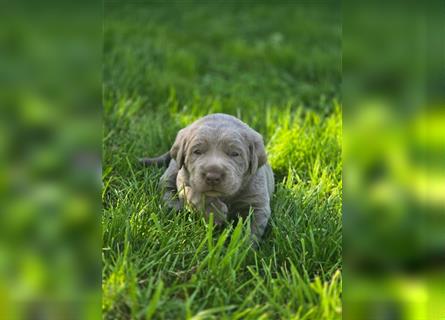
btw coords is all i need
(278, 68)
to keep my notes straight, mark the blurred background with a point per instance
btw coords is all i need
(394, 152)
(50, 141)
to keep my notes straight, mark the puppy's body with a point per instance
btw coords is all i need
(220, 158)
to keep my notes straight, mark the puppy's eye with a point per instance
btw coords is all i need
(197, 152)
(234, 154)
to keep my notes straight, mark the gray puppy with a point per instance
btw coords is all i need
(218, 164)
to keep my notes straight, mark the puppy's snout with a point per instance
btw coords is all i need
(213, 178)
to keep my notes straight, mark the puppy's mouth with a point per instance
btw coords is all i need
(213, 193)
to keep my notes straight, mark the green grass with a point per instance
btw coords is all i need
(278, 69)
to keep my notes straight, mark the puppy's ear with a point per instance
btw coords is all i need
(178, 149)
(257, 152)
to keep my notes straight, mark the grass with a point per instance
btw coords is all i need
(278, 69)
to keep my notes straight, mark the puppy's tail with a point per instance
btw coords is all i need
(161, 161)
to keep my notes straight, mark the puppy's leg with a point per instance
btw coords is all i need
(190, 198)
(168, 183)
(259, 222)
(194, 199)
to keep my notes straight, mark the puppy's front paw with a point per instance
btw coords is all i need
(219, 210)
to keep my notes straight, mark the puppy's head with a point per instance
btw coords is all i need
(220, 153)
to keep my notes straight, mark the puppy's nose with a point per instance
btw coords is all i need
(213, 178)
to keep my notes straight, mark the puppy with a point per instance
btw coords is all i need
(218, 164)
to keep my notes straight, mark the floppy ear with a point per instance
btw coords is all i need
(258, 155)
(178, 149)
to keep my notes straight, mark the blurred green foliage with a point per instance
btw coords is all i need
(245, 55)
(394, 124)
(49, 162)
